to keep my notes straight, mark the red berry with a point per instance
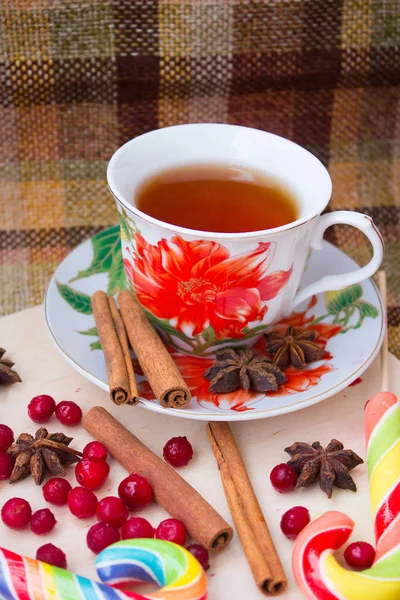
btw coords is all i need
(200, 553)
(43, 521)
(135, 491)
(137, 527)
(41, 408)
(294, 520)
(16, 513)
(92, 473)
(178, 451)
(68, 413)
(172, 530)
(52, 555)
(82, 502)
(359, 555)
(100, 536)
(95, 450)
(113, 511)
(56, 491)
(6, 465)
(283, 478)
(6, 437)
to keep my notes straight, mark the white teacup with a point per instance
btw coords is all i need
(205, 289)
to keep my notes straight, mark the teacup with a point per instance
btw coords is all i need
(207, 290)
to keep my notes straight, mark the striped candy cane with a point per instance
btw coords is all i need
(316, 570)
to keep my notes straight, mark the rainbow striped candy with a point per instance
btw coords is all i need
(169, 565)
(317, 573)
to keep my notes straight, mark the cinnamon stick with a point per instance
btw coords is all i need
(122, 385)
(157, 364)
(123, 340)
(246, 512)
(172, 492)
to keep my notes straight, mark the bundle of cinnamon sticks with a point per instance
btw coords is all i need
(115, 327)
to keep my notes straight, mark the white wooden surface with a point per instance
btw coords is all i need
(44, 371)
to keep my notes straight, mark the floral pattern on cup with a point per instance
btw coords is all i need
(345, 307)
(203, 291)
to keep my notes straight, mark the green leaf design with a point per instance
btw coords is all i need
(340, 299)
(343, 304)
(128, 227)
(106, 251)
(168, 328)
(208, 334)
(254, 331)
(91, 331)
(77, 300)
(95, 345)
(123, 220)
(367, 309)
(116, 276)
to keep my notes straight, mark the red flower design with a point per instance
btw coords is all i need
(198, 284)
(192, 369)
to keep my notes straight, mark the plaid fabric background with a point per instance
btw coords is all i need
(80, 77)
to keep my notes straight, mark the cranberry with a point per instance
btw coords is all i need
(41, 408)
(359, 555)
(56, 490)
(178, 451)
(6, 465)
(68, 413)
(137, 527)
(82, 503)
(6, 437)
(113, 511)
(200, 553)
(43, 521)
(16, 513)
(135, 491)
(172, 530)
(92, 472)
(100, 536)
(52, 555)
(95, 450)
(294, 520)
(283, 478)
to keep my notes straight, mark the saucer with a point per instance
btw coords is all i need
(349, 323)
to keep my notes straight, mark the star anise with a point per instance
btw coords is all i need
(295, 346)
(234, 369)
(7, 374)
(44, 452)
(331, 465)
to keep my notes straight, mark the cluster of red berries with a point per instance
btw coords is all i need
(91, 472)
(42, 408)
(134, 493)
(283, 478)
(17, 514)
(358, 555)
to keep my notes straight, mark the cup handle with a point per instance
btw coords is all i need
(337, 282)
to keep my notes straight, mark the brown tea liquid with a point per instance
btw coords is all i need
(217, 198)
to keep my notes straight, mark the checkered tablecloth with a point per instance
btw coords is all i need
(80, 77)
